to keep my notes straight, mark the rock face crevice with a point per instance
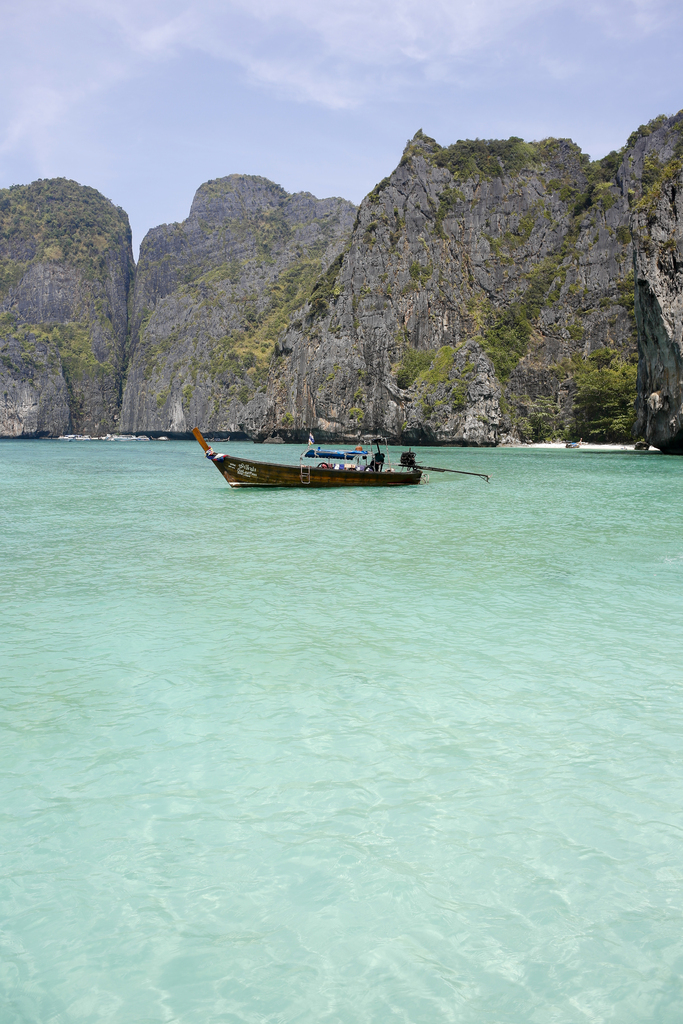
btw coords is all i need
(658, 267)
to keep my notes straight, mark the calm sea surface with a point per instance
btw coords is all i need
(383, 756)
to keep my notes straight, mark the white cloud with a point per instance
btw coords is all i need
(632, 18)
(337, 54)
(340, 52)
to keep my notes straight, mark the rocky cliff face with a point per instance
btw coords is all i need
(657, 226)
(66, 265)
(482, 293)
(477, 276)
(213, 294)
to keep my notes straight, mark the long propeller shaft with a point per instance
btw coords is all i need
(462, 472)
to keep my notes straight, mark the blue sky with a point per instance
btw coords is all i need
(146, 100)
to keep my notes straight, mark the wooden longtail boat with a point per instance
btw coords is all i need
(318, 467)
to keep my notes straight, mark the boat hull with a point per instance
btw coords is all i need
(250, 473)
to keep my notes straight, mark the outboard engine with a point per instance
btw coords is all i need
(408, 459)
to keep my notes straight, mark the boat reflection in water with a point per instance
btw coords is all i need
(320, 467)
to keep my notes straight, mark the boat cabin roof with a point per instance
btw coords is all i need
(331, 453)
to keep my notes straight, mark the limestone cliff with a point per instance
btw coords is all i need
(483, 292)
(66, 265)
(479, 276)
(657, 226)
(213, 294)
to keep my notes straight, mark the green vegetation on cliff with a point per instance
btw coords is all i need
(325, 288)
(657, 173)
(540, 275)
(605, 395)
(412, 365)
(71, 341)
(57, 220)
(488, 159)
(231, 277)
(249, 349)
(76, 305)
(245, 350)
(507, 337)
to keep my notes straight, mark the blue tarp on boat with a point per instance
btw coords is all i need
(324, 453)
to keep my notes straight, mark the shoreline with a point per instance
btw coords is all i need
(589, 446)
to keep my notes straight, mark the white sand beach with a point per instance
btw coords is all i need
(586, 446)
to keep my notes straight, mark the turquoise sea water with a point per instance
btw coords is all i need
(372, 756)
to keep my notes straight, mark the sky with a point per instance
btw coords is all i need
(146, 99)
